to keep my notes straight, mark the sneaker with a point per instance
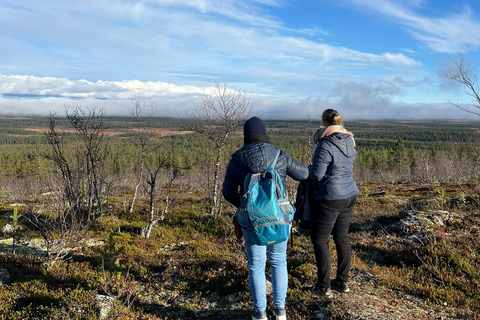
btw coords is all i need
(339, 286)
(259, 315)
(322, 292)
(280, 313)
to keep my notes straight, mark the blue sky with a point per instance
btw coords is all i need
(369, 59)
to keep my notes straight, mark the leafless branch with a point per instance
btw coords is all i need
(467, 77)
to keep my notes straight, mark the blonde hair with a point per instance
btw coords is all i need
(331, 117)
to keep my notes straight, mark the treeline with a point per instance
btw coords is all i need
(385, 151)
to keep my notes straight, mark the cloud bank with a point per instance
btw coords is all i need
(29, 95)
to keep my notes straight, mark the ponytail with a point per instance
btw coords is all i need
(331, 117)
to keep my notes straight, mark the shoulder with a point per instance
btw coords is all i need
(325, 144)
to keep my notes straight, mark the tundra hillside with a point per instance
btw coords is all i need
(109, 218)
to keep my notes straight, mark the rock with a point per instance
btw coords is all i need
(4, 277)
(8, 228)
(105, 304)
(269, 288)
(320, 314)
(416, 222)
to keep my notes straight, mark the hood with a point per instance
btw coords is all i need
(344, 143)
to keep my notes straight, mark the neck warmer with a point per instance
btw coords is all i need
(255, 138)
(326, 131)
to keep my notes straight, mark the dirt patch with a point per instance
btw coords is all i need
(110, 133)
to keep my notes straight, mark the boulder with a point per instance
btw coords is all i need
(413, 222)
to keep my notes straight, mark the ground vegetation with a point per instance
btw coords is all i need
(414, 232)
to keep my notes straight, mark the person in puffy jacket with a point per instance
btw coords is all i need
(256, 155)
(334, 198)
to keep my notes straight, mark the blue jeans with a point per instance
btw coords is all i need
(277, 257)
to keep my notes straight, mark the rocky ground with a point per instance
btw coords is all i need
(394, 231)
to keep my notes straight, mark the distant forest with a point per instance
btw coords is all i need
(386, 150)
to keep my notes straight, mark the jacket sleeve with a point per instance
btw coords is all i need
(321, 160)
(296, 170)
(230, 189)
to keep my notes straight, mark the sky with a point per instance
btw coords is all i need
(368, 59)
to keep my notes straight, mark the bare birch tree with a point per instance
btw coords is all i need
(218, 115)
(152, 185)
(144, 136)
(78, 187)
(468, 78)
(151, 190)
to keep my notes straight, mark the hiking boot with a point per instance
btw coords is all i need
(259, 315)
(320, 291)
(339, 286)
(280, 313)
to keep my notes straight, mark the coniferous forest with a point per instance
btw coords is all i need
(109, 218)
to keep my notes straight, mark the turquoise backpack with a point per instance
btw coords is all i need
(265, 209)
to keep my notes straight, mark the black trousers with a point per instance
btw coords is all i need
(332, 217)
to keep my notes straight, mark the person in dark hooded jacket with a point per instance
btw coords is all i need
(335, 196)
(255, 156)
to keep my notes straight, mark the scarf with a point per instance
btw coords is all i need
(327, 131)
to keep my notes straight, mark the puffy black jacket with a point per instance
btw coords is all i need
(257, 157)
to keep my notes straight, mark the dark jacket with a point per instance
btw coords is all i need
(332, 168)
(257, 157)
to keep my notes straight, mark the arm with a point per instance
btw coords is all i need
(321, 160)
(230, 190)
(296, 170)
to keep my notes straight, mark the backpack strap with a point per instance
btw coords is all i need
(275, 160)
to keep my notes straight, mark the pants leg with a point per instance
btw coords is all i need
(277, 257)
(323, 221)
(257, 258)
(342, 243)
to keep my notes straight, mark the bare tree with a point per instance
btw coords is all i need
(144, 136)
(468, 77)
(78, 187)
(151, 190)
(151, 187)
(89, 126)
(218, 115)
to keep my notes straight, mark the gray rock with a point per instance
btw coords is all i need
(413, 222)
(321, 314)
(4, 277)
(8, 228)
(105, 304)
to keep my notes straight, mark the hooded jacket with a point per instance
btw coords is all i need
(257, 157)
(332, 167)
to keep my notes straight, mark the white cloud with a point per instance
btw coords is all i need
(246, 11)
(47, 86)
(457, 32)
(27, 95)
